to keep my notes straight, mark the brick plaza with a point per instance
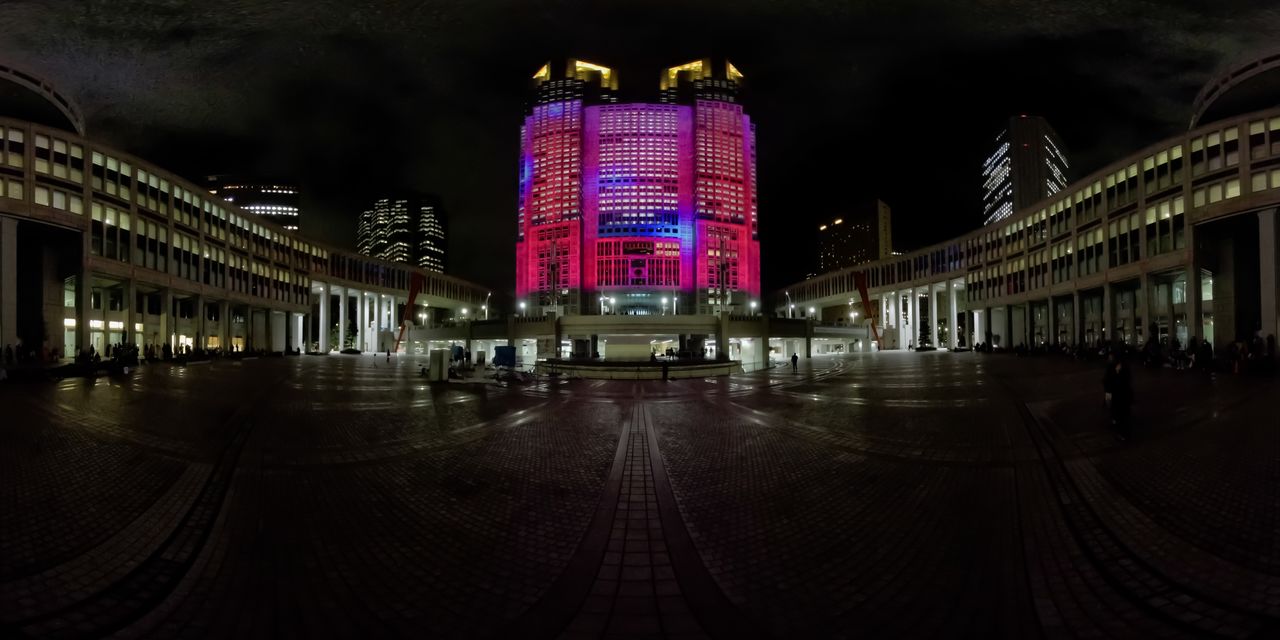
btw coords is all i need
(876, 495)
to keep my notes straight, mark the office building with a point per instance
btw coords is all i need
(407, 228)
(637, 208)
(1027, 166)
(274, 200)
(1174, 242)
(100, 247)
(862, 235)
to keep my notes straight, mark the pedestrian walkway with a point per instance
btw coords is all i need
(874, 495)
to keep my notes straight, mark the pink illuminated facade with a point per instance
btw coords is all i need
(637, 208)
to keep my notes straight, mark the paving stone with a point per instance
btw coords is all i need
(886, 495)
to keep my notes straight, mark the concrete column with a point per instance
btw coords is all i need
(1194, 327)
(1077, 319)
(166, 318)
(202, 314)
(323, 338)
(952, 323)
(9, 283)
(342, 318)
(915, 317)
(1051, 311)
(1108, 323)
(361, 324)
(1028, 325)
(84, 303)
(808, 338)
(1267, 272)
(131, 315)
(1144, 307)
(764, 341)
(1007, 339)
(933, 316)
(224, 325)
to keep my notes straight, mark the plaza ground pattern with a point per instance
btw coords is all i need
(952, 495)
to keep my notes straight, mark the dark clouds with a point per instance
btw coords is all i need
(896, 100)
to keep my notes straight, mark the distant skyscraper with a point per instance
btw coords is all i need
(409, 229)
(274, 200)
(1027, 166)
(860, 236)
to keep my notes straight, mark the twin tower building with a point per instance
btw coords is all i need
(638, 208)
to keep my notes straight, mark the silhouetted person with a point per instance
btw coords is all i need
(1118, 387)
(8, 354)
(795, 363)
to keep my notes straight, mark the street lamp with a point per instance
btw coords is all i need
(601, 305)
(675, 304)
(810, 312)
(664, 306)
(464, 314)
(522, 307)
(791, 307)
(753, 307)
(486, 305)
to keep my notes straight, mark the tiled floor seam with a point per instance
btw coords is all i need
(719, 617)
(563, 601)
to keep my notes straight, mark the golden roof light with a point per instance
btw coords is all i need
(731, 72)
(544, 73)
(697, 68)
(583, 69)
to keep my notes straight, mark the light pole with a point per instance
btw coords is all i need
(810, 313)
(613, 305)
(791, 307)
(485, 306)
(522, 307)
(675, 305)
(464, 314)
(753, 307)
(601, 305)
(664, 306)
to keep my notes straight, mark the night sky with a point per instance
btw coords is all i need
(853, 100)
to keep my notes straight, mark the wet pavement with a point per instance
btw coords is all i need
(875, 495)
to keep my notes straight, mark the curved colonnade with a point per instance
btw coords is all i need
(99, 247)
(1179, 238)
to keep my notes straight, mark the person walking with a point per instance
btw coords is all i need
(1117, 386)
(795, 363)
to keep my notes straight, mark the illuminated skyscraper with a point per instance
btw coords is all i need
(275, 200)
(1028, 165)
(624, 205)
(408, 229)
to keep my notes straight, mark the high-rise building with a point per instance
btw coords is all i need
(1028, 165)
(406, 228)
(640, 207)
(860, 236)
(275, 200)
